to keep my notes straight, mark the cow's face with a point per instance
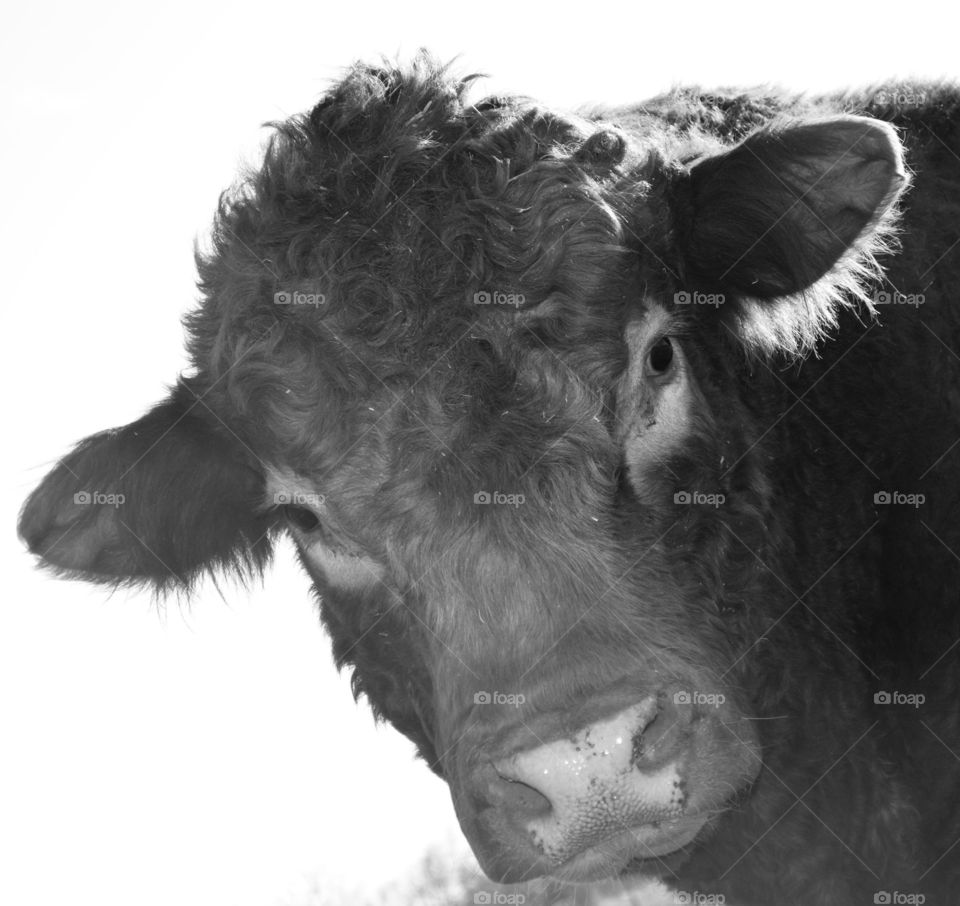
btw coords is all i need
(445, 346)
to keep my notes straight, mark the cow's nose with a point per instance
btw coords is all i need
(621, 777)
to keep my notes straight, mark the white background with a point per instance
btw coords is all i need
(208, 753)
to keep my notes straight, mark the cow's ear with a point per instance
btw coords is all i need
(796, 212)
(157, 501)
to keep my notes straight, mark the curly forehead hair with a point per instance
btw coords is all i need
(393, 208)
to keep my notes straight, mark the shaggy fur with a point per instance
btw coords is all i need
(398, 394)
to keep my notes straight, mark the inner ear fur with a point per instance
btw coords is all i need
(797, 211)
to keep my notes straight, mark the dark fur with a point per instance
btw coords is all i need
(398, 200)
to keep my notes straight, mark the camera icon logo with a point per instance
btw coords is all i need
(682, 497)
(482, 497)
(482, 298)
(882, 497)
(481, 698)
(84, 498)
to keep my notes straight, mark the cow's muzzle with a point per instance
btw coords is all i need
(637, 784)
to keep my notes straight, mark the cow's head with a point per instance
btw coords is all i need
(445, 346)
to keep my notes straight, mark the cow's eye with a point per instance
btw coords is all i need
(301, 517)
(660, 356)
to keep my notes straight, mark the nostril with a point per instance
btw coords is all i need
(661, 734)
(519, 799)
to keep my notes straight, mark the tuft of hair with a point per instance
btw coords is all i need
(794, 325)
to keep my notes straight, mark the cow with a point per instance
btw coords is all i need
(603, 439)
